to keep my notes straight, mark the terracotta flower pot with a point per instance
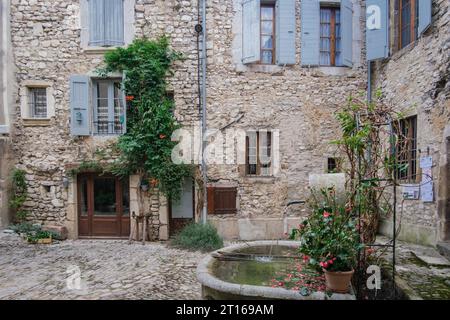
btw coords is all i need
(338, 281)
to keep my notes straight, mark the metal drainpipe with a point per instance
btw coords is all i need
(203, 101)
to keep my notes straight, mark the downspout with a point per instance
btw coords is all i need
(203, 103)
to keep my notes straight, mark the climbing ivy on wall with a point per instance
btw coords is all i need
(19, 194)
(146, 147)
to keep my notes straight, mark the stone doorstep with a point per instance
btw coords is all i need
(433, 261)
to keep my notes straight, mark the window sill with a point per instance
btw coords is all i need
(35, 122)
(262, 68)
(99, 50)
(335, 71)
(259, 179)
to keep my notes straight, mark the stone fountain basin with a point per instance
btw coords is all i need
(214, 288)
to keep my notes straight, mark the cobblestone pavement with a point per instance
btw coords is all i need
(108, 269)
(419, 279)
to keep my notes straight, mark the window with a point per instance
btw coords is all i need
(258, 153)
(407, 149)
(330, 36)
(37, 100)
(106, 23)
(267, 34)
(408, 21)
(333, 165)
(108, 107)
(222, 200)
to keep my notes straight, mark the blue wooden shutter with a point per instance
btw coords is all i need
(424, 15)
(347, 32)
(377, 29)
(114, 17)
(285, 32)
(310, 21)
(96, 23)
(251, 42)
(79, 105)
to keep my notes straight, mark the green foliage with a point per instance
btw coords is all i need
(88, 165)
(329, 238)
(197, 236)
(19, 194)
(146, 148)
(32, 232)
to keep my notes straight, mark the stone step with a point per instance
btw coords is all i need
(444, 249)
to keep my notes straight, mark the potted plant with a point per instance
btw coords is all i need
(40, 237)
(329, 241)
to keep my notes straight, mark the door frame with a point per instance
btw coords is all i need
(171, 231)
(119, 218)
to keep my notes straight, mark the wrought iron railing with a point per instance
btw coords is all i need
(108, 128)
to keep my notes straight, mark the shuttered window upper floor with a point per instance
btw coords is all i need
(326, 35)
(106, 23)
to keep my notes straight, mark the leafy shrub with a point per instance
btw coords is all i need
(25, 227)
(197, 236)
(19, 194)
(34, 236)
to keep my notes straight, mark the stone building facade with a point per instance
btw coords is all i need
(292, 96)
(415, 80)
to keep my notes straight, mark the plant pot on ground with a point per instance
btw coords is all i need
(329, 240)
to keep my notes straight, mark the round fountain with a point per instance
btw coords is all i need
(246, 271)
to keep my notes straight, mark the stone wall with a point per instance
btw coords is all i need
(299, 102)
(46, 47)
(415, 80)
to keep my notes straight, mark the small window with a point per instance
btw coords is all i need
(108, 107)
(259, 153)
(330, 36)
(333, 165)
(407, 149)
(37, 100)
(267, 34)
(408, 21)
(222, 200)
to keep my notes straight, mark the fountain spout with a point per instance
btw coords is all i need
(290, 203)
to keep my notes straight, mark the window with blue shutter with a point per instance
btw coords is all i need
(310, 32)
(377, 29)
(424, 15)
(79, 105)
(106, 23)
(285, 32)
(251, 31)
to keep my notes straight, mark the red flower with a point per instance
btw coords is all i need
(162, 136)
(129, 98)
(330, 261)
(326, 214)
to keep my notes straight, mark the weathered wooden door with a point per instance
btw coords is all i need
(103, 206)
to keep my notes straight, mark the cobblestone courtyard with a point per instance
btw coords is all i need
(109, 270)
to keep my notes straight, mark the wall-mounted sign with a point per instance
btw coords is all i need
(377, 29)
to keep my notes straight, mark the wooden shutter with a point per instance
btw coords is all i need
(251, 42)
(377, 29)
(347, 32)
(222, 200)
(79, 105)
(114, 18)
(96, 23)
(285, 32)
(310, 24)
(424, 15)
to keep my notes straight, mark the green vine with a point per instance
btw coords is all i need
(85, 166)
(146, 148)
(19, 194)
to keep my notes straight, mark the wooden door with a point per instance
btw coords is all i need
(103, 206)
